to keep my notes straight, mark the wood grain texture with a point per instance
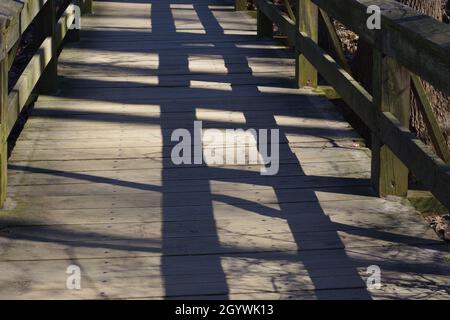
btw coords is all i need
(307, 21)
(415, 155)
(391, 92)
(4, 67)
(435, 132)
(92, 182)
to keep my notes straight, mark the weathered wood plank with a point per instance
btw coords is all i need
(92, 180)
(87, 6)
(4, 68)
(335, 41)
(264, 24)
(145, 273)
(436, 134)
(362, 212)
(306, 21)
(391, 91)
(19, 14)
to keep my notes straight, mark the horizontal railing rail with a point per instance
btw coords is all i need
(408, 44)
(40, 74)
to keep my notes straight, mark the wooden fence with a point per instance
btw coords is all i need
(408, 45)
(40, 74)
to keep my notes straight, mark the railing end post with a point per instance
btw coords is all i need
(49, 79)
(307, 20)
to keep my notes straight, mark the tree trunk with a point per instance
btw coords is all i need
(440, 102)
(433, 8)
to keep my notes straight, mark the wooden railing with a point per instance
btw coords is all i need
(409, 45)
(40, 74)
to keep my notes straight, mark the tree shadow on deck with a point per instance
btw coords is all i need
(352, 278)
(231, 259)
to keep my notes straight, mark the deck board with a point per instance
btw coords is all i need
(91, 181)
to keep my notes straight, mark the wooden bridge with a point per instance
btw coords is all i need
(91, 182)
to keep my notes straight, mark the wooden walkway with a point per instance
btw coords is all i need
(91, 181)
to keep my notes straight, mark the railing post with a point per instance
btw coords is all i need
(49, 80)
(87, 6)
(240, 5)
(306, 20)
(74, 34)
(4, 66)
(391, 93)
(264, 26)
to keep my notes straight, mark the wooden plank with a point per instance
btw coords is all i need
(102, 242)
(87, 6)
(48, 80)
(264, 24)
(177, 80)
(83, 171)
(155, 94)
(199, 69)
(11, 16)
(318, 107)
(308, 23)
(84, 184)
(353, 211)
(3, 52)
(4, 68)
(145, 273)
(25, 84)
(164, 151)
(436, 135)
(20, 15)
(335, 41)
(121, 240)
(391, 90)
(429, 169)
(154, 198)
(289, 10)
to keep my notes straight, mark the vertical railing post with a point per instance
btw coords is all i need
(306, 20)
(240, 5)
(391, 93)
(86, 6)
(264, 26)
(74, 34)
(3, 125)
(49, 80)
